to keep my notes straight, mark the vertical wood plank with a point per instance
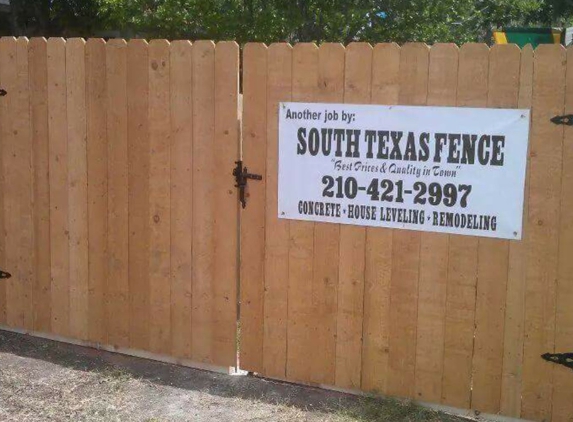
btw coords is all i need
(138, 201)
(18, 207)
(357, 89)
(442, 90)
(414, 61)
(181, 80)
(77, 187)
(159, 198)
(226, 225)
(326, 238)
(203, 198)
(301, 234)
(253, 217)
(3, 138)
(493, 257)
(515, 302)
(57, 124)
(562, 409)
(376, 327)
(117, 288)
(37, 52)
(276, 231)
(97, 187)
(546, 150)
(462, 255)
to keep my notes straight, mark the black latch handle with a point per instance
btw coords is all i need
(4, 274)
(3, 92)
(566, 119)
(241, 177)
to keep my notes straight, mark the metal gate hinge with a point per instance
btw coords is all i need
(4, 274)
(565, 359)
(566, 119)
(241, 177)
(3, 92)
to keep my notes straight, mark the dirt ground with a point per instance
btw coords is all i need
(42, 380)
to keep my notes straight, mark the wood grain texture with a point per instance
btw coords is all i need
(77, 187)
(58, 148)
(38, 85)
(462, 253)
(378, 268)
(18, 200)
(276, 235)
(414, 62)
(546, 147)
(512, 371)
(117, 289)
(442, 91)
(301, 238)
(138, 200)
(159, 198)
(562, 403)
(331, 59)
(203, 199)
(181, 91)
(252, 239)
(226, 226)
(350, 312)
(493, 257)
(97, 157)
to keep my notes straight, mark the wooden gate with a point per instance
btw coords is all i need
(118, 224)
(456, 320)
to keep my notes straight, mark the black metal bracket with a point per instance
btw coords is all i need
(241, 177)
(566, 119)
(4, 274)
(3, 92)
(565, 359)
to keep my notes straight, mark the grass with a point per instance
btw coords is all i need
(376, 409)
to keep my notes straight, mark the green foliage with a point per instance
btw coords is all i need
(286, 20)
(324, 20)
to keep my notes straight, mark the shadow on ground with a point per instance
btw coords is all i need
(167, 392)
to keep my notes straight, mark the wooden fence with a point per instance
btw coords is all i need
(119, 220)
(440, 318)
(118, 214)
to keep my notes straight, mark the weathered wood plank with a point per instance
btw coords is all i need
(58, 134)
(414, 61)
(463, 253)
(442, 91)
(181, 81)
(326, 238)
(385, 90)
(546, 149)
(38, 71)
(226, 225)
(253, 217)
(159, 198)
(96, 103)
(117, 290)
(77, 187)
(138, 201)
(276, 231)
(357, 89)
(515, 303)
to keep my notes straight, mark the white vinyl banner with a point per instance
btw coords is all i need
(439, 169)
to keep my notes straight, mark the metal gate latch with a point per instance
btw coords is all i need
(565, 359)
(4, 274)
(3, 92)
(241, 177)
(566, 119)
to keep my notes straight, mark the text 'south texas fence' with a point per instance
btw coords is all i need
(119, 220)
